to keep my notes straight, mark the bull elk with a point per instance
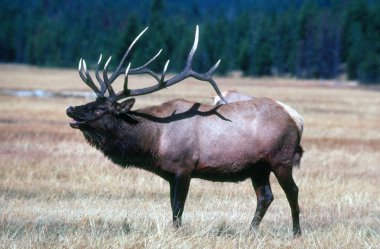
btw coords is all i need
(179, 140)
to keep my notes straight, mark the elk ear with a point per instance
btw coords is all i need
(125, 106)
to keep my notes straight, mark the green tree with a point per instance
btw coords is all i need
(284, 44)
(214, 46)
(261, 48)
(368, 65)
(158, 35)
(130, 32)
(46, 43)
(241, 42)
(307, 48)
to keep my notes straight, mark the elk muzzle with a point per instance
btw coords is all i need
(77, 122)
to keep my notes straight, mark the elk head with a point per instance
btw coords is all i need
(99, 114)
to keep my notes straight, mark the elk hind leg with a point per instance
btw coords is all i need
(285, 178)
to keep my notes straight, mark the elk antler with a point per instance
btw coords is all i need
(105, 83)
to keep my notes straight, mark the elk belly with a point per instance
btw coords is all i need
(234, 164)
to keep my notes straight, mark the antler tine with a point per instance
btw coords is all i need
(211, 71)
(208, 77)
(80, 71)
(135, 70)
(164, 71)
(193, 49)
(103, 86)
(144, 68)
(107, 81)
(118, 70)
(86, 76)
(125, 89)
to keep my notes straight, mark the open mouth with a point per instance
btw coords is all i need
(76, 124)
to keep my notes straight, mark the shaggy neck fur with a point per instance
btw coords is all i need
(125, 144)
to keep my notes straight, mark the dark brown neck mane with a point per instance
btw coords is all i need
(127, 144)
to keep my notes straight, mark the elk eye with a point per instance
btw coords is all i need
(100, 110)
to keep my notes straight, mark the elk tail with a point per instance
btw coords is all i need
(298, 156)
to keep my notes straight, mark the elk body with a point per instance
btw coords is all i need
(179, 140)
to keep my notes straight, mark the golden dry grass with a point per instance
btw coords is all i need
(58, 192)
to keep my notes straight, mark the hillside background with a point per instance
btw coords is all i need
(320, 39)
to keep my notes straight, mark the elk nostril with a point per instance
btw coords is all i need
(69, 109)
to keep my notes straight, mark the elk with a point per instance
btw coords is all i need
(179, 140)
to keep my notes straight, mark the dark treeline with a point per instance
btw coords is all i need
(305, 39)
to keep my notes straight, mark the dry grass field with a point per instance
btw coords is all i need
(58, 192)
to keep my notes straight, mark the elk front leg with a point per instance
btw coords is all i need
(179, 187)
(260, 182)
